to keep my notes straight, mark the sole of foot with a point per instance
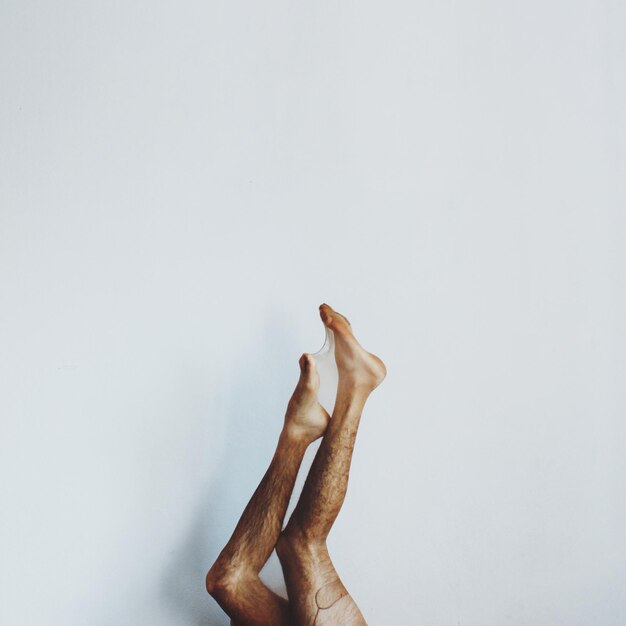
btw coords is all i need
(356, 365)
(305, 417)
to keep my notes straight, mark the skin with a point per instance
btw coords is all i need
(316, 594)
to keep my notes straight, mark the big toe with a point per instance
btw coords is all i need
(308, 372)
(334, 320)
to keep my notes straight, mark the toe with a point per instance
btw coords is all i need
(334, 320)
(303, 362)
(326, 314)
(309, 377)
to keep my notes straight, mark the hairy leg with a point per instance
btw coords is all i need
(316, 594)
(233, 580)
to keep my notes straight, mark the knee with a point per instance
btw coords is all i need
(215, 581)
(222, 581)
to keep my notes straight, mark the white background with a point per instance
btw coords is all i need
(184, 182)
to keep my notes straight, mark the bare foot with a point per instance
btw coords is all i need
(305, 417)
(356, 366)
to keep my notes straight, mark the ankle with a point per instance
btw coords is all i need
(295, 436)
(351, 397)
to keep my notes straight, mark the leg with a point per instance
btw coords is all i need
(233, 580)
(316, 594)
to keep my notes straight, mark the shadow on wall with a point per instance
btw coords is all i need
(267, 373)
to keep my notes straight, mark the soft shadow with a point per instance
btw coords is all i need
(267, 374)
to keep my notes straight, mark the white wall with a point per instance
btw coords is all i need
(184, 182)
